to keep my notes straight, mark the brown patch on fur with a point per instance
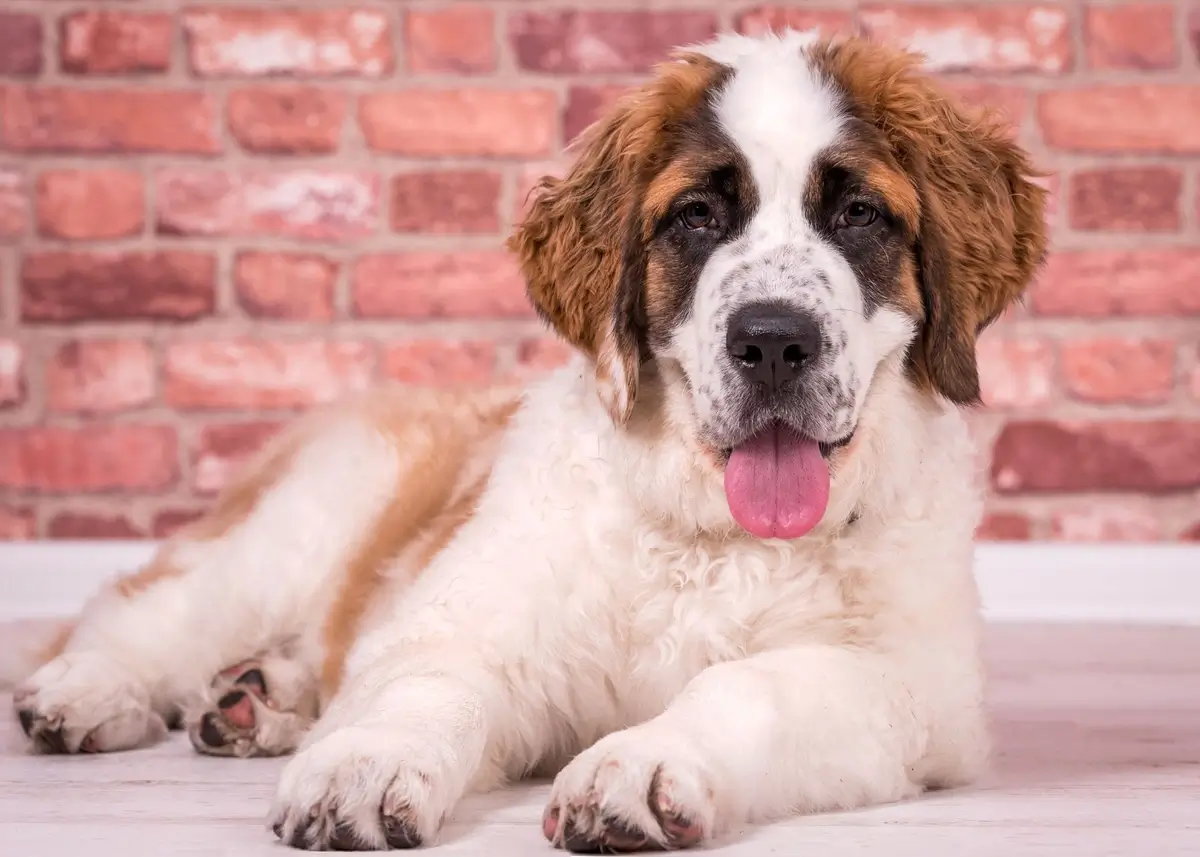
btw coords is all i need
(679, 175)
(981, 234)
(582, 270)
(447, 442)
(231, 508)
(908, 288)
(863, 151)
(159, 568)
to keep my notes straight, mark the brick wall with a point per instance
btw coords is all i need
(214, 215)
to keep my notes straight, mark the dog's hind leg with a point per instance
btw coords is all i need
(262, 567)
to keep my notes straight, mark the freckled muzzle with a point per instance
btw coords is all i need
(781, 410)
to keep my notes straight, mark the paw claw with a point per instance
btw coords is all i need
(399, 833)
(85, 702)
(346, 838)
(632, 791)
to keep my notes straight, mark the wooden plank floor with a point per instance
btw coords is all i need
(1098, 734)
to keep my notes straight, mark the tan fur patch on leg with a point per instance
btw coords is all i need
(447, 442)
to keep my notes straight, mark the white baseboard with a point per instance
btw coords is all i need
(1019, 582)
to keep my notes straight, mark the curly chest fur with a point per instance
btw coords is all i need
(694, 603)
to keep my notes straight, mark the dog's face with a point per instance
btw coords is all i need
(768, 220)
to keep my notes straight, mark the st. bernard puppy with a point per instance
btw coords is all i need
(717, 570)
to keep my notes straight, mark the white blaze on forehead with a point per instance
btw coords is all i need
(775, 108)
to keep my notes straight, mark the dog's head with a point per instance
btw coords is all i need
(770, 219)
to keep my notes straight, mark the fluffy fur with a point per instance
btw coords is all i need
(473, 587)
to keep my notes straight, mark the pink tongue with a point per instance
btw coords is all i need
(777, 484)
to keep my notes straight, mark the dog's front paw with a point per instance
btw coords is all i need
(85, 702)
(364, 789)
(635, 790)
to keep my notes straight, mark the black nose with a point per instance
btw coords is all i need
(772, 344)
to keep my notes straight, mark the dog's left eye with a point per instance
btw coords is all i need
(697, 215)
(859, 214)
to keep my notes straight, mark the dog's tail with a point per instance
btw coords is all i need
(27, 644)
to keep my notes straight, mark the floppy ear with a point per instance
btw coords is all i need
(582, 246)
(981, 235)
(981, 239)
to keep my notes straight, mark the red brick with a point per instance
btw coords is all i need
(543, 354)
(528, 177)
(246, 373)
(447, 201)
(17, 525)
(603, 41)
(460, 122)
(1004, 527)
(766, 19)
(1052, 184)
(537, 357)
(12, 373)
(110, 120)
(285, 285)
(983, 38)
(1011, 103)
(456, 40)
(287, 120)
(83, 204)
(1162, 118)
(14, 204)
(85, 525)
(1132, 521)
(255, 42)
(170, 521)
(1131, 199)
(427, 284)
(1132, 35)
(222, 450)
(1015, 373)
(438, 362)
(107, 42)
(1194, 30)
(20, 44)
(1151, 456)
(91, 458)
(168, 286)
(586, 104)
(1119, 370)
(317, 204)
(100, 376)
(1099, 283)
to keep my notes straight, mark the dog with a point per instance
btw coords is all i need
(716, 570)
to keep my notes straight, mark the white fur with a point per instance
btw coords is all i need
(602, 587)
(601, 611)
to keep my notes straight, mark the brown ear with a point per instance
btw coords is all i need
(982, 233)
(982, 237)
(582, 246)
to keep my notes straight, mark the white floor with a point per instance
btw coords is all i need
(1098, 732)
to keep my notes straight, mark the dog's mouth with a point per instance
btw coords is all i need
(777, 481)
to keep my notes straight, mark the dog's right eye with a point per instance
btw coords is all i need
(697, 215)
